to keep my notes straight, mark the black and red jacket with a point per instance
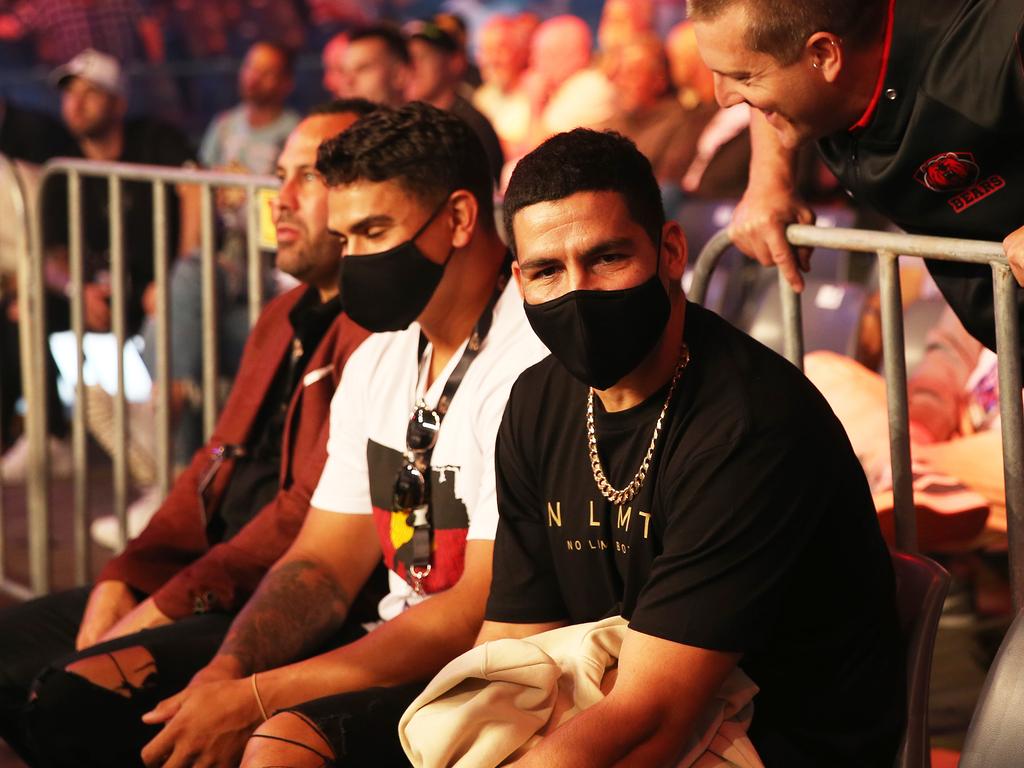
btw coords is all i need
(943, 152)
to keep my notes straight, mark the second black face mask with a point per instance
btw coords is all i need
(387, 291)
(600, 336)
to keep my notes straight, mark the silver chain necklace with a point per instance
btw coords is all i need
(613, 495)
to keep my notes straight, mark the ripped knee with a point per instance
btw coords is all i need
(123, 671)
(288, 740)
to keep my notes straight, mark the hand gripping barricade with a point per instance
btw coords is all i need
(33, 334)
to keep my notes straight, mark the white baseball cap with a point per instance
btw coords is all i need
(100, 69)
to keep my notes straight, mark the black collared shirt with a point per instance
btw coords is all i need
(255, 480)
(944, 151)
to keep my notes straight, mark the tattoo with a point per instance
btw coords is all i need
(293, 612)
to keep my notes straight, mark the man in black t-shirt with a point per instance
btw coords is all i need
(699, 486)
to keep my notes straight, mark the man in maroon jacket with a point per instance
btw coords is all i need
(228, 518)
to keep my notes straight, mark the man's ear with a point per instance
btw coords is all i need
(517, 273)
(674, 252)
(464, 210)
(823, 52)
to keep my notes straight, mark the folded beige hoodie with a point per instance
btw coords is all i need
(496, 701)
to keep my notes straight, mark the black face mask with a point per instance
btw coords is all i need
(600, 336)
(386, 291)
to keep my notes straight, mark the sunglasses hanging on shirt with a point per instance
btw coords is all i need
(411, 492)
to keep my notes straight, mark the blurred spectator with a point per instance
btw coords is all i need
(377, 65)
(249, 136)
(565, 91)
(438, 64)
(623, 22)
(954, 432)
(503, 53)
(720, 163)
(93, 107)
(64, 28)
(455, 25)
(344, 12)
(649, 113)
(333, 60)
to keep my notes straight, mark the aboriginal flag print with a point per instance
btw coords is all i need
(449, 515)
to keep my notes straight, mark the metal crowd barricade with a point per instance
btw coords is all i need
(889, 247)
(33, 339)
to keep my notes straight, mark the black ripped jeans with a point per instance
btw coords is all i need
(62, 720)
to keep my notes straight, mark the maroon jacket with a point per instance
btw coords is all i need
(172, 560)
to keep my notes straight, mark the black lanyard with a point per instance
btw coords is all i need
(422, 520)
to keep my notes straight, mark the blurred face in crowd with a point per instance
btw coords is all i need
(561, 47)
(264, 79)
(305, 250)
(335, 82)
(89, 112)
(589, 241)
(622, 21)
(686, 69)
(374, 73)
(502, 54)
(434, 73)
(798, 99)
(641, 77)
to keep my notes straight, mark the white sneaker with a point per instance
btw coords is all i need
(14, 463)
(104, 530)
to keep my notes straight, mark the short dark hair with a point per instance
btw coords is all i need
(359, 107)
(583, 160)
(391, 36)
(781, 27)
(429, 152)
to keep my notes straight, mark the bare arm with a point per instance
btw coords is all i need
(497, 630)
(305, 596)
(189, 229)
(661, 690)
(413, 646)
(770, 204)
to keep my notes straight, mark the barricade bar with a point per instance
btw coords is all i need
(1011, 413)
(78, 418)
(33, 338)
(888, 246)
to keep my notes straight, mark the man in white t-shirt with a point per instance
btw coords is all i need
(410, 468)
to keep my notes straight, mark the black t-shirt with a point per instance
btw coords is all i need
(753, 533)
(145, 141)
(944, 151)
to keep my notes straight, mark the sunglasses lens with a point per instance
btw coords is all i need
(423, 428)
(410, 488)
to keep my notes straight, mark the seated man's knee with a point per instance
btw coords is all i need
(287, 740)
(122, 671)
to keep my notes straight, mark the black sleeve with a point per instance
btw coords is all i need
(738, 519)
(524, 588)
(172, 148)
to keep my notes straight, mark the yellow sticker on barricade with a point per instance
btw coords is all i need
(268, 234)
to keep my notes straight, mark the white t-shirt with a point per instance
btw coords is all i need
(370, 412)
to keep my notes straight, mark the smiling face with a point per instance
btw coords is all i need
(796, 99)
(305, 250)
(589, 241)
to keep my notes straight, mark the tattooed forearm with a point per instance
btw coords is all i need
(295, 609)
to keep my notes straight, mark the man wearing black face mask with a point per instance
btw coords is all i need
(410, 467)
(699, 486)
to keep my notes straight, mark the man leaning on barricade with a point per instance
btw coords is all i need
(105, 655)
(663, 467)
